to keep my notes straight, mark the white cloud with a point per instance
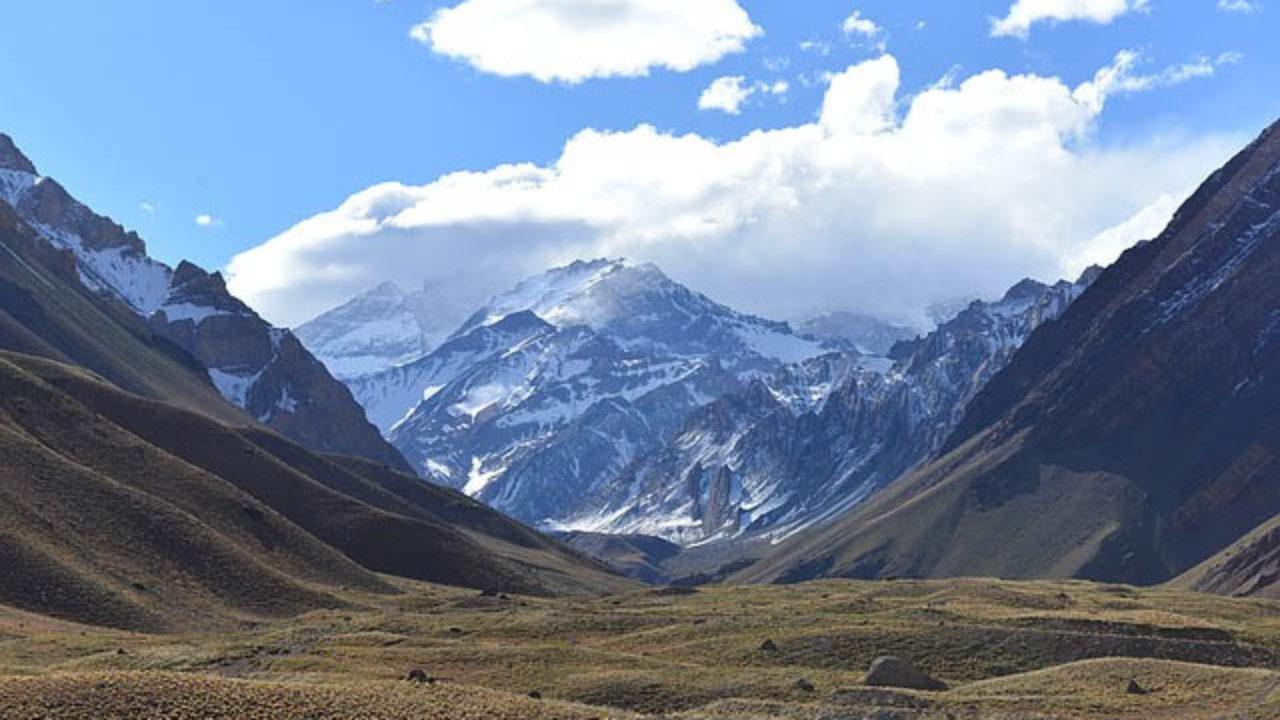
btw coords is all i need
(1025, 13)
(147, 207)
(886, 203)
(1240, 6)
(726, 94)
(776, 64)
(817, 47)
(1145, 224)
(573, 40)
(855, 24)
(777, 87)
(206, 220)
(1120, 78)
(860, 101)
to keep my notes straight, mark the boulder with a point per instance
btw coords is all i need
(888, 671)
(420, 676)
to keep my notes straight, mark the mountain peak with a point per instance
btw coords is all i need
(186, 272)
(1026, 289)
(381, 328)
(11, 158)
(388, 289)
(1090, 274)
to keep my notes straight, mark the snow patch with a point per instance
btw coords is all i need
(234, 387)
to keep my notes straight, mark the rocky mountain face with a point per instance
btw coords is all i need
(261, 369)
(869, 335)
(819, 437)
(551, 390)
(380, 329)
(1128, 441)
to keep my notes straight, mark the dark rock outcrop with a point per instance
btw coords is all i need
(889, 671)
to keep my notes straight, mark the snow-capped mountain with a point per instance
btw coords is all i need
(771, 460)
(552, 389)
(262, 369)
(380, 329)
(646, 311)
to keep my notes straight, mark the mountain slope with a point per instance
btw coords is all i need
(102, 527)
(1128, 441)
(133, 513)
(1248, 567)
(260, 369)
(45, 310)
(387, 522)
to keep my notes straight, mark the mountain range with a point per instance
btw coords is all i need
(1133, 440)
(1115, 428)
(605, 398)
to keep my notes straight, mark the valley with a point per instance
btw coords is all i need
(544, 373)
(1004, 649)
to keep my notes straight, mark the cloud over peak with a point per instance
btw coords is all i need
(887, 203)
(575, 40)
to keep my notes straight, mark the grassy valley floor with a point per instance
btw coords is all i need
(1011, 650)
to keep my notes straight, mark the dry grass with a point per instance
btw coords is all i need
(1008, 649)
(108, 696)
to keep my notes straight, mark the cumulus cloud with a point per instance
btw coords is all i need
(885, 203)
(1239, 6)
(856, 24)
(1025, 13)
(207, 220)
(727, 94)
(573, 40)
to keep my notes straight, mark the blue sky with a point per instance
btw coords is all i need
(261, 115)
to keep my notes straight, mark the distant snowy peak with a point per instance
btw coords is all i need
(644, 310)
(561, 296)
(869, 335)
(380, 329)
(390, 396)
